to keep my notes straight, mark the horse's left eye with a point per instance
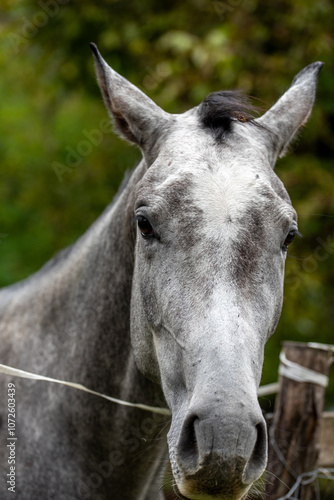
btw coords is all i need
(145, 227)
(290, 237)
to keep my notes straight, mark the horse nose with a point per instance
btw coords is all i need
(218, 456)
(258, 459)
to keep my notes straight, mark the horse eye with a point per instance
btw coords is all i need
(145, 227)
(290, 237)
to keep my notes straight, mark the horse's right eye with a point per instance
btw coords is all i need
(145, 227)
(290, 237)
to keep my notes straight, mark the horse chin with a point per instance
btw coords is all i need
(178, 494)
(241, 496)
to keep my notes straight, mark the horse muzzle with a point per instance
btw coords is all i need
(218, 457)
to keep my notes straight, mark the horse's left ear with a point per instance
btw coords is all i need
(135, 116)
(291, 111)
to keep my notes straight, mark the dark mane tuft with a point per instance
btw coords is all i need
(219, 109)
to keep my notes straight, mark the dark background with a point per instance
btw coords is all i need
(54, 183)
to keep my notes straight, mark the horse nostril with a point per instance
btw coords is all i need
(188, 448)
(258, 460)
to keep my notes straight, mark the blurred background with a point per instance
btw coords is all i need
(61, 165)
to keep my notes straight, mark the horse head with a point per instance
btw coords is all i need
(213, 226)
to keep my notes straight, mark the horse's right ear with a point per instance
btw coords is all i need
(135, 116)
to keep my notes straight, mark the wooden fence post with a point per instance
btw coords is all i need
(293, 438)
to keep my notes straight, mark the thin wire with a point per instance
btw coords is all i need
(9, 370)
(301, 479)
(307, 478)
(279, 454)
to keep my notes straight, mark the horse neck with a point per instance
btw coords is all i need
(79, 306)
(71, 321)
(102, 293)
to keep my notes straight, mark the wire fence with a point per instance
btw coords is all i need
(303, 479)
(308, 478)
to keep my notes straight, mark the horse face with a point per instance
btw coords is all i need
(213, 226)
(213, 221)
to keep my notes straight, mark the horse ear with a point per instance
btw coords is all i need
(291, 111)
(135, 116)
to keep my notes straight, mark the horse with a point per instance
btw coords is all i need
(167, 301)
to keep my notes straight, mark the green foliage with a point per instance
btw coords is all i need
(177, 52)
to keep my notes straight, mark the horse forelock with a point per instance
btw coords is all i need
(220, 110)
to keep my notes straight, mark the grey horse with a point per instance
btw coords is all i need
(167, 300)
